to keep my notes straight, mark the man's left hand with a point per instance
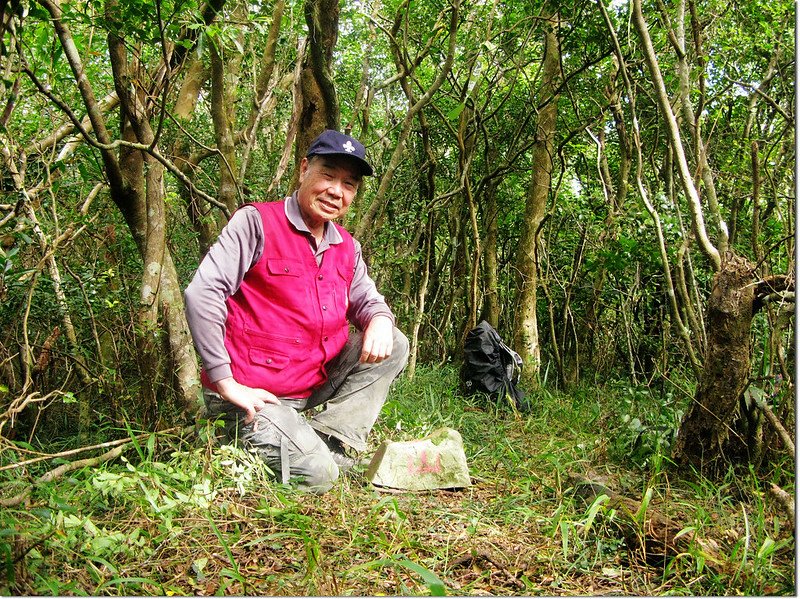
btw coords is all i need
(378, 340)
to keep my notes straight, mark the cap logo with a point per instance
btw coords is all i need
(348, 147)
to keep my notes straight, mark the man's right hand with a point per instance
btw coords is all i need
(250, 399)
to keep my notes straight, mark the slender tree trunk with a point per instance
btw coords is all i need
(266, 68)
(615, 191)
(526, 335)
(200, 215)
(491, 301)
(222, 106)
(291, 131)
(264, 100)
(184, 368)
(466, 146)
(422, 293)
(364, 95)
(692, 116)
(427, 236)
(569, 332)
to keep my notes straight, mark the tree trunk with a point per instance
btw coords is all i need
(144, 177)
(223, 81)
(264, 99)
(706, 427)
(319, 100)
(197, 208)
(426, 169)
(183, 360)
(665, 108)
(142, 203)
(291, 130)
(266, 68)
(422, 292)
(491, 301)
(466, 148)
(526, 330)
(691, 115)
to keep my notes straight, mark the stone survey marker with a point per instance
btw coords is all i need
(433, 462)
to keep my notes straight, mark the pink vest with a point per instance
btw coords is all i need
(288, 318)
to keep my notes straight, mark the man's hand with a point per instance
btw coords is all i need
(378, 340)
(250, 399)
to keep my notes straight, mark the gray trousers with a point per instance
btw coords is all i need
(290, 442)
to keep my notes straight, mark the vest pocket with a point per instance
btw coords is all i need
(288, 268)
(268, 358)
(342, 290)
(272, 337)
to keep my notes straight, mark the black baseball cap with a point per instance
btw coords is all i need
(331, 142)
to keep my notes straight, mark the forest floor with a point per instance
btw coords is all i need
(182, 516)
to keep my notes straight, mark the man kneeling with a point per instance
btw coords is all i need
(269, 309)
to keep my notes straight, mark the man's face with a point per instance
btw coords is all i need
(328, 185)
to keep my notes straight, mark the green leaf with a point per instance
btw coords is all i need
(564, 538)
(766, 549)
(592, 512)
(233, 575)
(198, 565)
(129, 580)
(456, 112)
(433, 582)
(648, 495)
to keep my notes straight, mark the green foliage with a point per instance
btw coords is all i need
(647, 426)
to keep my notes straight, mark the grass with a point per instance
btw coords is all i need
(183, 516)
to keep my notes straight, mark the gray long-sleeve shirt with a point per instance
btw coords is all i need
(237, 249)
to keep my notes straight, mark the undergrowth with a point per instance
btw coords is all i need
(181, 515)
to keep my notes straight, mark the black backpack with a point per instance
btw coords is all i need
(491, 367)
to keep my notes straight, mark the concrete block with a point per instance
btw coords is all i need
(437, 461)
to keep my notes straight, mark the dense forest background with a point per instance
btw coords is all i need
(610, 184)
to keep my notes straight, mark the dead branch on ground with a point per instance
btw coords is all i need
(644, 528)
(61, 470)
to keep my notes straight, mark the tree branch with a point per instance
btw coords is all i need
(695, 205)
(87, 93)
(369, 219)
(785, 501)
(63, 469)
(776, 424)
(116, 144)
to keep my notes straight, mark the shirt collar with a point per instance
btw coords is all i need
(292, 209)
